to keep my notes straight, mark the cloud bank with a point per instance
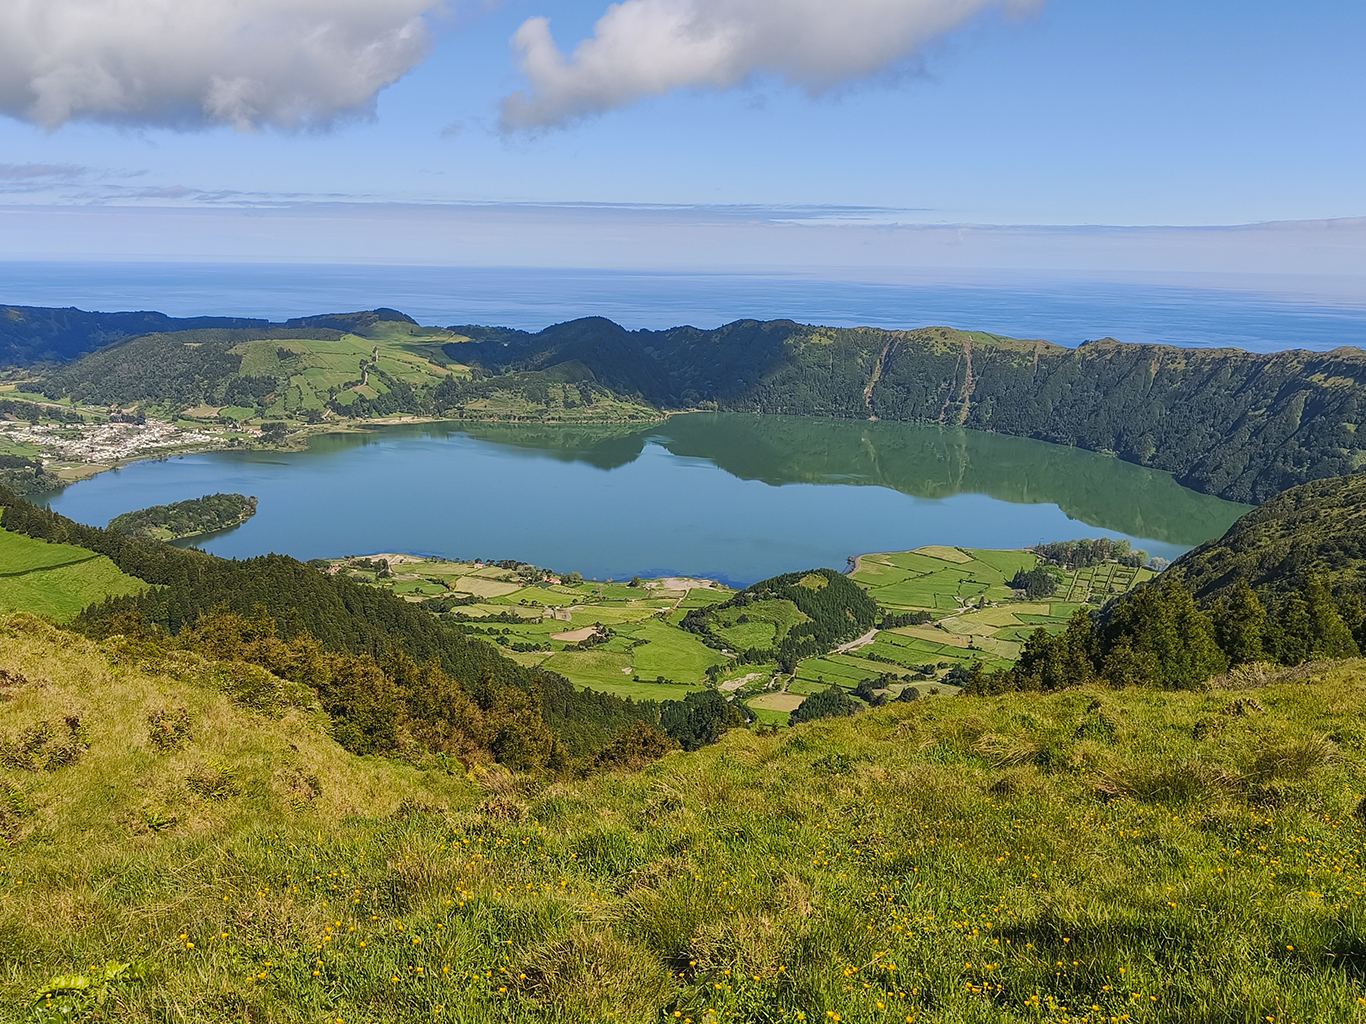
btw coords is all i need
(193, 63)
(646, 47)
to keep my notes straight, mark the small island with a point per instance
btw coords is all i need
(182, 519)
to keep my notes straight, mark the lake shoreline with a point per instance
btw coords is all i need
(730, 497)
(74, 472)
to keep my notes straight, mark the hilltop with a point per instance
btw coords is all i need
(1174, 857)
(37, 334)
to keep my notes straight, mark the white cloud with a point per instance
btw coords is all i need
(188, 63)
(647, 47)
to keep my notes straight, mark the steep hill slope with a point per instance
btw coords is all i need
(1238, 424)
(1190, 858)
(1317, 529)
(57, 580)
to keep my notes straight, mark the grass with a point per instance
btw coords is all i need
(1080, 856)
(56, 580)
(319, 365)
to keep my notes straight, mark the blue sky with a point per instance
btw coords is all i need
(1071, 112)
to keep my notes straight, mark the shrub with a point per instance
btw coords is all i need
(833, 764)
(44, 747)
(831, 702)
(168, 730)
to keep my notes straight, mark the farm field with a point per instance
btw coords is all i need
(974, 618)
(611, 636)
(56, 580)
(624, 638)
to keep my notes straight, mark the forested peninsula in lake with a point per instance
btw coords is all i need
(1237, 424)
(181, 519)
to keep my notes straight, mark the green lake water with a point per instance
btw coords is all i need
(730, 496)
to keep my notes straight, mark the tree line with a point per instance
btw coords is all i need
(1158, 636)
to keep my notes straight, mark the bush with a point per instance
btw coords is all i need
(168, 730)
(832, 702)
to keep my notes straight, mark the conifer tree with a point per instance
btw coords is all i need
(1238, 625)
(1329, 635)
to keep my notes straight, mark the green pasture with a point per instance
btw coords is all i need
(975, 618)
(56, 580)
(315, 366)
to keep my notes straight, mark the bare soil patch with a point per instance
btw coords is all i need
(573, 636)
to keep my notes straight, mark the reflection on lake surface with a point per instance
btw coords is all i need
(731, 496)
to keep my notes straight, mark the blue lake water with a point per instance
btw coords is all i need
(728, 496)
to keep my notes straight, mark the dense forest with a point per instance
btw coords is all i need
(25, 475)
(1317, 529)
(392, 676)
(186, 518)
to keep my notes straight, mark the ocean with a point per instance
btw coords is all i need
(1065, 310)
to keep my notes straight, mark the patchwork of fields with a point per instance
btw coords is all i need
(611, 636)
(624, 638)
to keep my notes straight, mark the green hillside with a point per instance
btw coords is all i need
(267, 371)
(1237, 424)
(1318, 530)
(356, 365)
(1154, 857)
(56, 580)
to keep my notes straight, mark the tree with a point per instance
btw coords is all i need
(1036, 583)
(1239, 622)
(1050, 662)
(1329, 635)
(1163, 634)
(831, 702)
(699, 719)
(1288, 633)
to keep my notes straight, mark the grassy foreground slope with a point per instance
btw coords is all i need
(1082, 856)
